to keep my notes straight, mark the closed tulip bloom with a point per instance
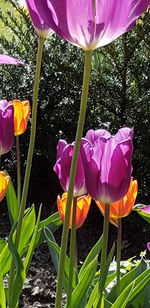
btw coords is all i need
(107, 163)
(82, 209)
(21, 116)
(40, 26)
(90, 23)
(6, 127)
(4, 181)
(63, 165)
(4, 59)
(123, 207)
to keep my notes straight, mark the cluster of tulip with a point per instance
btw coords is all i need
(98, 166)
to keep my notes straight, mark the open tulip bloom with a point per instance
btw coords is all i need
(90, 23)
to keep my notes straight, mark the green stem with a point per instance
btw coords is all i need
(105, 237)
(72, 252)
(83, 105)
(18, 171)
(29, 158)
(118, 255)
(104, 243)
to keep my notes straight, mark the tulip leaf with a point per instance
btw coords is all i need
(20, 276)
(12, 202)
(144, 215)
(3, 243)
(53, 222)
(55, 252)
(32, 244)
(93, 253)
(123, 298)
(2, 291)
(140, 283)
(80, 293)
(26, 233)
(127, 279)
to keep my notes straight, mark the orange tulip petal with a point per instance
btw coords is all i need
(4, 181)
(83, 205)
(122, 207)
(21, 116)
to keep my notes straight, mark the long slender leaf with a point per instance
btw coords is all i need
(55, 252)
(27, 230)
(123, 299)
(126, 280)
(93, 253)
(12, 203)
(20, 272)
(32, 244)
(79, 295)
(2, 291)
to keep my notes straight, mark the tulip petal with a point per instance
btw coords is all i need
(4, 59)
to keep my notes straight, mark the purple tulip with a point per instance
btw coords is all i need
(40, 26)
(90, 23)
(4, 59)
(6, 127)
(148, 246)
(63, 165)
(107, 163)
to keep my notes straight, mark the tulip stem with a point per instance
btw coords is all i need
(72, 252)
(118, 255)
(83, 105)
(29, 160)
(104, 241)
(18, 171)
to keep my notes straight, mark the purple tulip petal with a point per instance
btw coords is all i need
(4, 59)
(107, 164)
(6, 127)
(148, 246)
(90, 24)
(40, 26)
(145, 209)
(63, 166)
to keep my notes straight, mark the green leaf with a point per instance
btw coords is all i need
(144, 215)
(126, 280)
(32, 244)
(20, 272)
(55, 252)
(93, 296)
(53, 222)
(26, 233)
(2, 244)
(2, 291)
(94, 252)
(12, 203)
(140, 282)
(123, 298)
(79, 295)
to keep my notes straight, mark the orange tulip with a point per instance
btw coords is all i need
(83, 205)
(122, 207)
(21, 115)
(4, 181)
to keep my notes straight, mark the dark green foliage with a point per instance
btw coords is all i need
(119, 91)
